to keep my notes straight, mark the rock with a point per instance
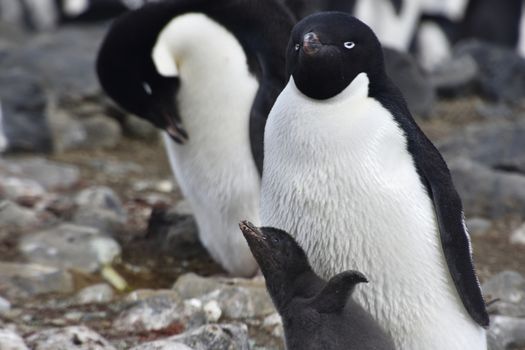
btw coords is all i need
(24, 280)
(70, 246)
(9, 340)
(518, 236)
(5, 306)
(50, 175)
(213, 311)
(499, 145)
(173, 232)
(139, 128)
(478, 226)
(501, 71)
(486, 192)
(159, 312)
(236, 297)
(17, 189)
(100, 207)
(116, 168)
(455, 77)
(23, 106)
(508, 330)
(216, 337)
(101, 132)
(410, 79)
(508, 287)
(274, 325)
(163, 344)
(13, 215)
(68, 338)
(98, 293)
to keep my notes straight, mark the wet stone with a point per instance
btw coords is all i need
(68, 338)
(70, 246)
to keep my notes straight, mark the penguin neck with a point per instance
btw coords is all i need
(284, 288)
(356, 90)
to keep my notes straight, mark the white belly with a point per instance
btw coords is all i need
(214, 168)
(338, 177)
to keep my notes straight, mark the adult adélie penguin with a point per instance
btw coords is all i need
(351, 176)
(207, 73)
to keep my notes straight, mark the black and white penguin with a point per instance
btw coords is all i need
(316, 314)
(207, 72)
(349, 174)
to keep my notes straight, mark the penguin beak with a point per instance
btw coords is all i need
(175, 129)
(311, 44)
(250, 231)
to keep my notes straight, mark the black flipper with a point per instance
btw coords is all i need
(435, 174)
(334, 295)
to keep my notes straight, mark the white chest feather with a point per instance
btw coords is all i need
(215, 168)
(338, 177)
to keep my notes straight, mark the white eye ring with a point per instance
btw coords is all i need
(297, 47)
(349, 44)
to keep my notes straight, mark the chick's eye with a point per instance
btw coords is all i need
(349, 44)
(297, 47)
(275, 240)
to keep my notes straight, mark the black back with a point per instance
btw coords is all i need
(262, 28)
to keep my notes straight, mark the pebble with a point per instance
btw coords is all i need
(237, 297)
(478, 226)
(215, 336)
(509, 330)
(5, 305)
(100, 207)
(213, 311)
(49, 174)
(9, 340)
(158, 312)
(15, 188)
(274, 324)
(68, 338)
(518, 235)
(70, 246)
(97, 293)
(13, 215)
(509, 288)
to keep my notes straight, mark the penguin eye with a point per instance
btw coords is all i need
(349, 44)
(297, 47)
(275, 240)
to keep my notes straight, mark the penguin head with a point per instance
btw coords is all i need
(279, 256)
(127, 73)
(328, 50)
